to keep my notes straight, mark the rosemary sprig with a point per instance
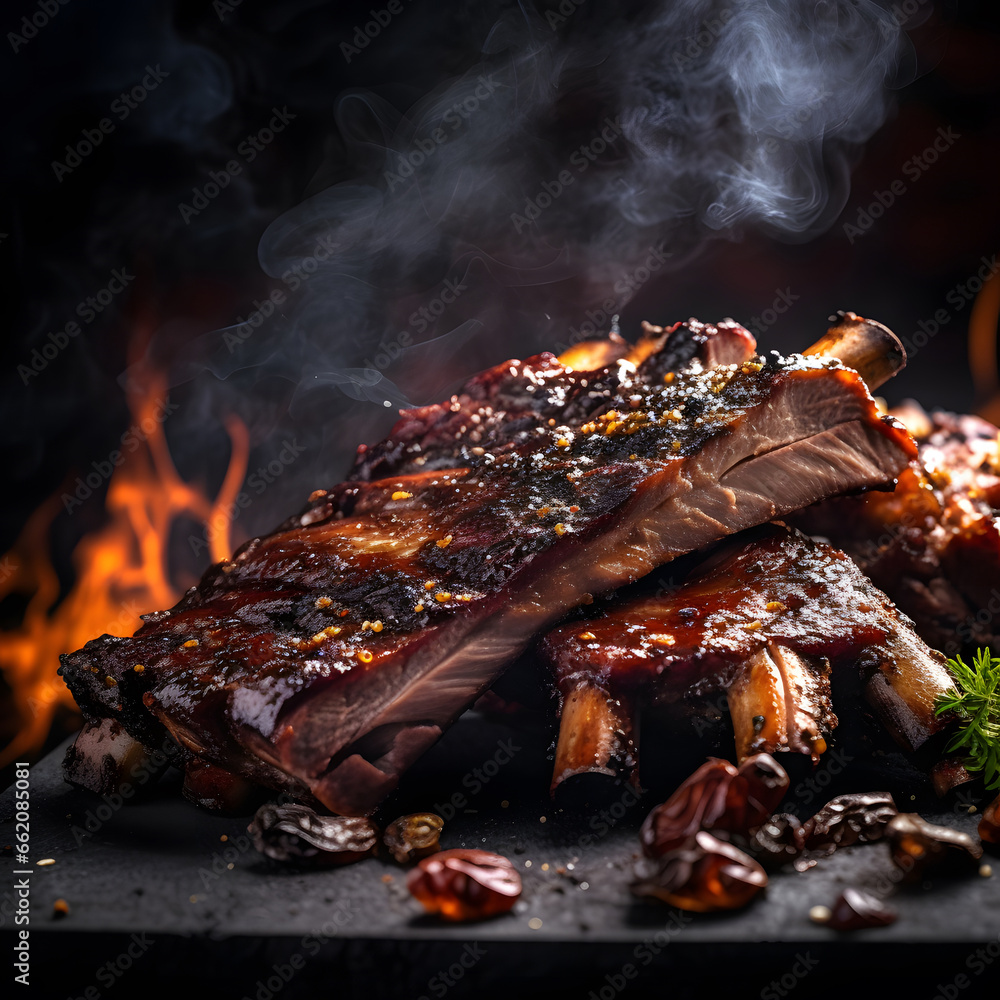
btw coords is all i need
(976, 702)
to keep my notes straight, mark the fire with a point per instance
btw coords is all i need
(983, 348)
(121, 570)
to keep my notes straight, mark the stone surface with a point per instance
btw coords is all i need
(160, 867)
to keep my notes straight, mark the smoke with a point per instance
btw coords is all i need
(582, 154)
(508, 180)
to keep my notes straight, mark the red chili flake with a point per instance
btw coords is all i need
(465, 884)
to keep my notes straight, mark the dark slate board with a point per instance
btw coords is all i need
(158, 867)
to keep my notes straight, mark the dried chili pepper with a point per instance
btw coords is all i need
(465, 884)
(295, 832)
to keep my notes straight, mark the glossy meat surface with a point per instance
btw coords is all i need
(324, 658)
(933, 544)
(763, 619)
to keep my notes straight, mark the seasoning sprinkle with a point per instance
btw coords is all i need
(328, 633)
(401, 495)
(443, 543)
(364, 656)
(442, 597)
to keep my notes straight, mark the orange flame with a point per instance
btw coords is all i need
(121, 570)
(983, 320)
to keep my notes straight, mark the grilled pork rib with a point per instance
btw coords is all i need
(324, 658)
(763, 619)
(933, 544)
(505, 406)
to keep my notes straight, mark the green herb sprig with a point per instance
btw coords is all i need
(976, 702)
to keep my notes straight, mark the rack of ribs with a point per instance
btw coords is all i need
(326, 656)
(766, 619)
(932, 544)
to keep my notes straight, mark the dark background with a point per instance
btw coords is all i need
(228, 68)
